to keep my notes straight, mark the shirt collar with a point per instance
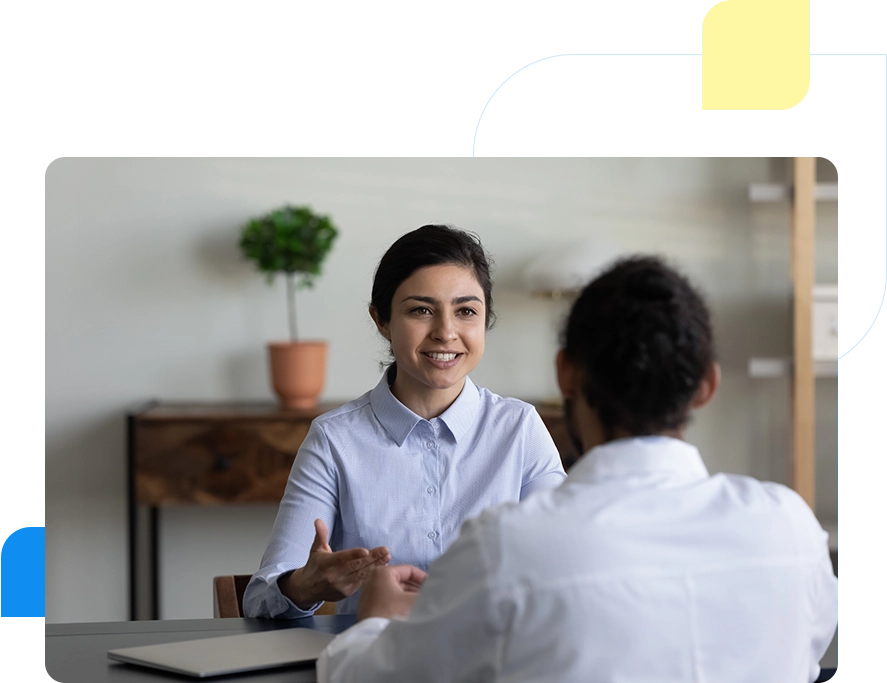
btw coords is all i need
(641, 456)
(399, 420)
(463, 412)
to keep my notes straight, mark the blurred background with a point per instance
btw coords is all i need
(148, 297)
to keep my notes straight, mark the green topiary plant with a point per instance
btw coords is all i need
(292, 240)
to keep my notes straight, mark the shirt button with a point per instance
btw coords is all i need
(432, 535)
(429, 445)
(430, 489)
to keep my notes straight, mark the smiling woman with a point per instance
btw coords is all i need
(392, 475)
(436, 330)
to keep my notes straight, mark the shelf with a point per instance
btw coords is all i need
(777, 192)
(782, 367)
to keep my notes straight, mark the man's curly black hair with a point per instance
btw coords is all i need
(641, 336)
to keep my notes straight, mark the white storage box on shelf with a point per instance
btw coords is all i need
(825, 323)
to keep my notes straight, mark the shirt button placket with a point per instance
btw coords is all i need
(431, 446)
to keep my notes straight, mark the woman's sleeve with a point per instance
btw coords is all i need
(543, 468)
(311, 493)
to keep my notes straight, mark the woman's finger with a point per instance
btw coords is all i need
(355, 563)
(343, 559)
(321, 534)
(382, 554)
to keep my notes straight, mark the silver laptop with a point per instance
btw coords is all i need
(229, 654)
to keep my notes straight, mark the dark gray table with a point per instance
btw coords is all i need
(77, 653)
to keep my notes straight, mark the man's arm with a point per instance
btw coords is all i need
(454, 631)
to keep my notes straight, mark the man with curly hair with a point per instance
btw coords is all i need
(641, 566)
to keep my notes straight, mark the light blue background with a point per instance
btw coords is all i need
(197, 77)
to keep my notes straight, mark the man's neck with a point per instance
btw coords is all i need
(594, 435)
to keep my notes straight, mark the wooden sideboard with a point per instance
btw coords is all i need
(219, 454)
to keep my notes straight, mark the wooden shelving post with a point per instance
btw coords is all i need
(803, 382)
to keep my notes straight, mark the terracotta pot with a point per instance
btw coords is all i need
(297, 372)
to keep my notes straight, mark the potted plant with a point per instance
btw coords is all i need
(294, 241)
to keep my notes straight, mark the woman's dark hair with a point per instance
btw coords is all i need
(431, 245)
(641, 337)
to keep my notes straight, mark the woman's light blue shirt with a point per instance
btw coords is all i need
(378, 474)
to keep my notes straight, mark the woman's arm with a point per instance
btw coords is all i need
(297, 570)
(543, 468)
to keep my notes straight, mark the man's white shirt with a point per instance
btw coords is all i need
(640, 567)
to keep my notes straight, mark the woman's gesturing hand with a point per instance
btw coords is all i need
(331, 576)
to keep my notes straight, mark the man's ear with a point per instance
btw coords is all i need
(708, 387)
(567, 375)
(382, 327)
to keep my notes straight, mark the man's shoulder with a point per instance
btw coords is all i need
(749, 490)
(772, 505)
(518, 520)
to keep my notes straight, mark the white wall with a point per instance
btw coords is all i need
(147, 297)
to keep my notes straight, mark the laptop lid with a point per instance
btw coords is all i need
(229, 654)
